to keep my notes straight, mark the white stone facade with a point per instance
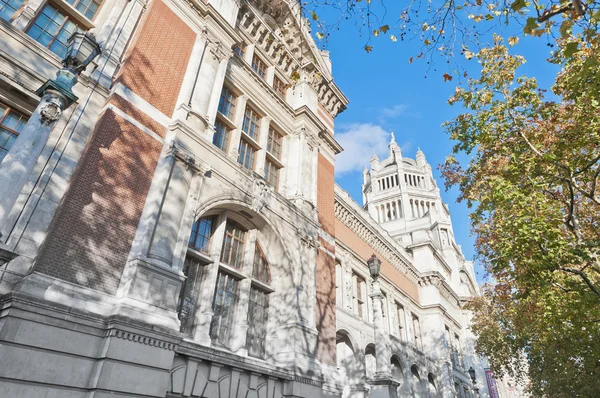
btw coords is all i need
(430, 347)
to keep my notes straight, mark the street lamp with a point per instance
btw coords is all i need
(380, 363)
(374, 266)
(82, 48)
(56, 96)
(472, 374)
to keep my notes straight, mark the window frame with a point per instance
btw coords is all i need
(274, 140)
(272, 171)
(251, 119)
(230, 114)
(232, 299)
(280, 87)
(6, 5)
(14, 133)
(247, 156)
(236, 228)
(224, 135)
(259, 66)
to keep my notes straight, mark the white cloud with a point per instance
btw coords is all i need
(360, 141)
(392, 112)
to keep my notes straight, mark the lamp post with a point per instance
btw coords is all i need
(56, 96)
(380, 361)
(473, 379)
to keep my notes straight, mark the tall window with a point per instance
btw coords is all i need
(416, 332)
(258, 308)
(271, 173)
(246, 156)
(194, 271)
(401, 321)
(279, 87)
(274, 143)
(239, 51)
(202, 231)
(221, 136)
(232, 252)
(260, 267)
(359, 295)
(52, 28)
(8, 8)
(457, 354)
(11, 124)
(224, 304)
(251, 124)
(259, 66)
(227, 103)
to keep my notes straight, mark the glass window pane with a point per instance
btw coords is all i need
(8, 8)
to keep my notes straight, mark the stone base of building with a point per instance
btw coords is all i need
(53, 351)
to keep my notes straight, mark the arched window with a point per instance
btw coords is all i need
(222, 242)
(431, 385)
(370, 361)
(396, 369)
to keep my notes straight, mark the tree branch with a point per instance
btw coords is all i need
(583, 276)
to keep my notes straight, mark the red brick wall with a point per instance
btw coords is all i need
(157, 63)
(325, 272)
(325, 195)
(325, 311)
(93, 229)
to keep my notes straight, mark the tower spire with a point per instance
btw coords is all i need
(394, 148)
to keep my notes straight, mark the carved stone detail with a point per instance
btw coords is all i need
(370, 236)
(260, 189)
(50, 112)
(191, 161)
(122, 334)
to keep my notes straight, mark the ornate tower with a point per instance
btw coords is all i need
(401, 195)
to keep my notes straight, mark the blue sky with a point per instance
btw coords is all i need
(388, 94)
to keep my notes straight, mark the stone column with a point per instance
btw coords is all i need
(181, 169)
(223, 58)
(382, 385)
(381, 369)
(22, 156)
(153, 274)
(207, 82)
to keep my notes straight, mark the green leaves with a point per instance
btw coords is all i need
(532, 178)
(517, 5)
(570, 49)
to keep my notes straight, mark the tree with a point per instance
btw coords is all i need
(449, 27)
(533, 185)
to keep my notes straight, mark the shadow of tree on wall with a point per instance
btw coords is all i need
(92, 231)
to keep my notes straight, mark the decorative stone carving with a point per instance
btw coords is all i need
(308, 240)
(122, 334)
(259, 194)
(218, 51)
(191, 161)
(50, 112)
(373, 237)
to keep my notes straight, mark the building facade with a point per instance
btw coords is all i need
(181, 233)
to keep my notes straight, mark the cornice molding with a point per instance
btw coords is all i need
(359, 222)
